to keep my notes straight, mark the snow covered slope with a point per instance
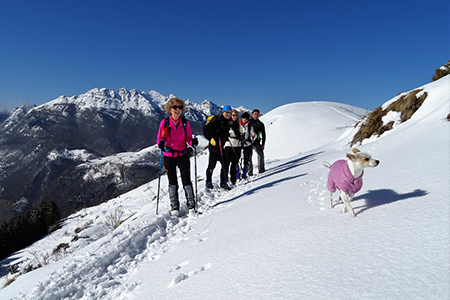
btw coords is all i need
(273, 237)
(299, 127)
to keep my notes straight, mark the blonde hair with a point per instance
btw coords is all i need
(235, 112)
(172, 102)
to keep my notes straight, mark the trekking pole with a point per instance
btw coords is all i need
(235, 154)
(195, 166)
(223, 162)
(159, 180)
(241, 155)
(234, 151)
(221, 151)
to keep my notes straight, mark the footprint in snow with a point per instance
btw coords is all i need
(201, 240)
(182, 276)
(179, 266)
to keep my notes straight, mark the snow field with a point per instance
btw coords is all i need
(275, 237)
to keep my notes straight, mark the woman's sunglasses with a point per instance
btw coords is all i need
(177, 107)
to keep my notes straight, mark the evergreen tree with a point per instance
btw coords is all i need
(28, 227)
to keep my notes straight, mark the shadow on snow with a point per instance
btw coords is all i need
(385, 196)
(267, 185)
(276, 170)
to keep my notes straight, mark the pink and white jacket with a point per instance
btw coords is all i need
(177, 138)
(341, 178)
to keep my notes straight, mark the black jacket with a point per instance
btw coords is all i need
(260, 130)
(218, 129)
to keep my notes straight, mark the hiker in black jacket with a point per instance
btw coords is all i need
(258, 141)
(217, 132)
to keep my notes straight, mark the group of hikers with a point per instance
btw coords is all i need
(230, 139)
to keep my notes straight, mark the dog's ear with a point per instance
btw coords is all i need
(356, 150)
(350, 156)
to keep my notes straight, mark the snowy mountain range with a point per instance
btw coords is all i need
(274, 236)
(45, 150)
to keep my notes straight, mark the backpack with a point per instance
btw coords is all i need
(209, 119)
(207, 130)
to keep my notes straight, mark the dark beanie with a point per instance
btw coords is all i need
(245, 115)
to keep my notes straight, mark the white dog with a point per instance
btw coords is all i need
(346, 176)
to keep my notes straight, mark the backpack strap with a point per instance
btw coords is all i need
(183, 122)
(249, 129)
(167, 125)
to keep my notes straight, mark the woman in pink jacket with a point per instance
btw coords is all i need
(174, 139)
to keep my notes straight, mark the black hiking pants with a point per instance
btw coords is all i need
(260, 153)
(215, 155)
(183, 163)
(232, 155)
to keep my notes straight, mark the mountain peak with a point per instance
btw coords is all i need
(105, 98)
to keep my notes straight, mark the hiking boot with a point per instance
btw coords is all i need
(225, 186)
(189, 196)
(209, 185)
(173, 196)
(244, 173)
(175, 212)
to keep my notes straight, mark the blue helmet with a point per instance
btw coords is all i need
(226, 107)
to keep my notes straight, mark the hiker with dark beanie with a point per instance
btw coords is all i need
(245, 144)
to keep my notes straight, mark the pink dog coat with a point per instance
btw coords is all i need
(341, 178)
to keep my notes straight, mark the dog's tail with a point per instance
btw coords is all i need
(326, 164)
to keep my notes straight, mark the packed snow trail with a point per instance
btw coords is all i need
(102, 270)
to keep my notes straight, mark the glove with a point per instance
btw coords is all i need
(194, 142)
(213, 142)
(161, 145)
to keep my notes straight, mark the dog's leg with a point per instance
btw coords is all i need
(342, 195)
(331, 200)
(347, 199)
(350, 205)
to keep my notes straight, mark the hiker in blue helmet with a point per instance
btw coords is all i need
(217, 132)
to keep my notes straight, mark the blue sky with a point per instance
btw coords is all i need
(259, 54)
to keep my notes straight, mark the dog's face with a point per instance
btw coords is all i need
(362, 159)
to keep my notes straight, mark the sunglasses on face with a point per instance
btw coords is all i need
(235, 116)
(227, 112)
(177, 107)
